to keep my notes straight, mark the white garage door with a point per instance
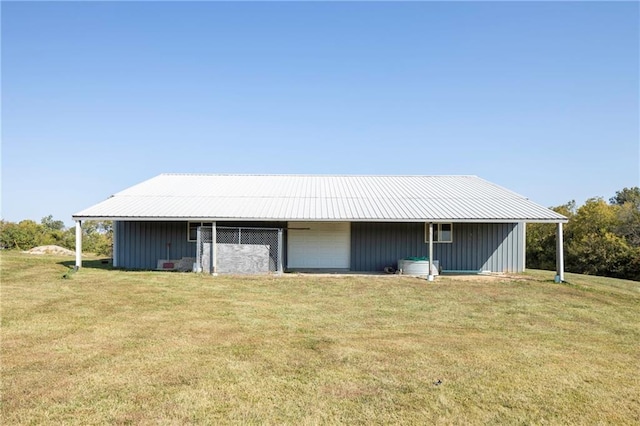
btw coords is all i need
(318, 245)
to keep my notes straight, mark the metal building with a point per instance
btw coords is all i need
(326, 222)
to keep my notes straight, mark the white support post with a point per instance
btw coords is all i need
(214, 249)
(78, 244)
(430, 276)
(114, 250)
(199, 249)
(559, 254)
(524, 246)
(280, 251)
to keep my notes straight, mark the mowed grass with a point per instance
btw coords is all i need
(109, 346)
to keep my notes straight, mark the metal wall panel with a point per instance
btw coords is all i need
(495, 247)
(376, 245)
(139, 245)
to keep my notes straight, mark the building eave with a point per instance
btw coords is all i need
(297, 219)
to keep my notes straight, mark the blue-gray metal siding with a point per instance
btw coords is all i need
(139, 245)
(495, 247)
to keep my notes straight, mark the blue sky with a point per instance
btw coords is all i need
(542, 98)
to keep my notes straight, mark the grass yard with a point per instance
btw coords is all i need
(108, 346)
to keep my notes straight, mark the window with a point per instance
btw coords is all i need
(442, 233)
(192, 229)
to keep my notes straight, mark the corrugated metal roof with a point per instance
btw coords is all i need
(319, 197)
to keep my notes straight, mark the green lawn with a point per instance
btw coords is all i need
(108, 346)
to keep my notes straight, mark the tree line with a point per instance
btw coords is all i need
(97, 236)
(601, 238)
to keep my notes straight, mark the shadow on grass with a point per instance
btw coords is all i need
(103, 264)
(93, 264)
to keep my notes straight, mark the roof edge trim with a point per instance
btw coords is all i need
(261, 219)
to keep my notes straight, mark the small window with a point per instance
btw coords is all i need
(442, 233)
(192, 230)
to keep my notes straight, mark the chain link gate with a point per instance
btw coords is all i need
(204, 249)
(239, 250)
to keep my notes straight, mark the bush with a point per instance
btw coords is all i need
(97, 236)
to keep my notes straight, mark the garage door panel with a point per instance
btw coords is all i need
(319, 245)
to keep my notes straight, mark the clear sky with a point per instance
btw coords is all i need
(539, 97)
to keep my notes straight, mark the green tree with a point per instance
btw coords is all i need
(52, 225)
(628, 223)
(54, 230)
(541, 239)
(97, 237)
(628, 227)
(627, 195)
(631, 269)
(68, 239)
(594, 245)
(8, 232)
(23, 235)
(628, 202)
(594, 216)
(602, 253)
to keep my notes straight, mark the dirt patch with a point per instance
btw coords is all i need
(57, 250)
